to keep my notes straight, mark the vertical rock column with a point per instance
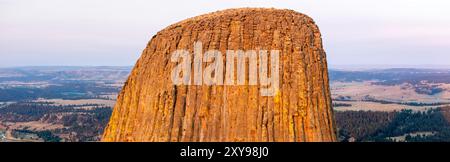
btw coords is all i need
(151, 108)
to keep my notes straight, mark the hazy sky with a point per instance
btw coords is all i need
(110, 32)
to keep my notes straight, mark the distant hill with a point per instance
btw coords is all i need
(64, 73)
(67, 82)
(392, 76)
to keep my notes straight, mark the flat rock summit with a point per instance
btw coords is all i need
(151, 107)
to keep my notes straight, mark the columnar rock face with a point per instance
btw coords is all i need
(151, 108)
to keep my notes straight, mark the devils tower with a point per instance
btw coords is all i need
(151, 107)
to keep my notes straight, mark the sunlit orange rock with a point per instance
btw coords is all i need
(151, 108)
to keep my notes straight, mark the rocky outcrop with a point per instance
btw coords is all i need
(151, 108)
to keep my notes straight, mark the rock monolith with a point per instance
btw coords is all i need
(151, 107)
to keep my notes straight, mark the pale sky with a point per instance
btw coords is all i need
(112, 32)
